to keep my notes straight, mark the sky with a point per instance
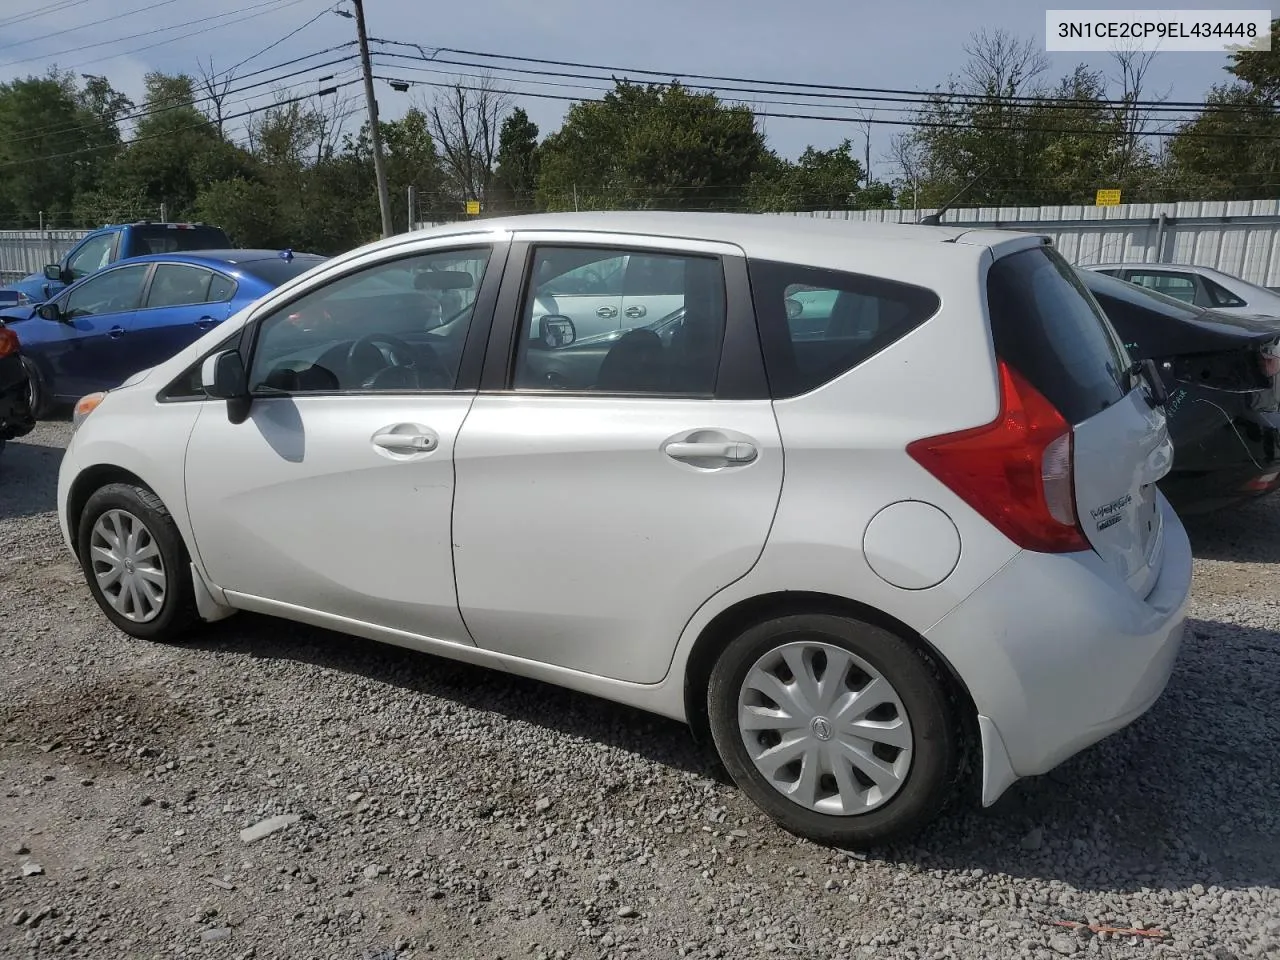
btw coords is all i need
(909, 45)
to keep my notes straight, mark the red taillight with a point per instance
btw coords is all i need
(1016, 471)
(8, 342)
(1269, 361)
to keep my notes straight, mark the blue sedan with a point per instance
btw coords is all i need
(102, 330)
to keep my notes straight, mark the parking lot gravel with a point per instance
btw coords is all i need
(275, 791)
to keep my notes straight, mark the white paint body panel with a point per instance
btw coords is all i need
(296, 505)
(586, 557)
(579, 542)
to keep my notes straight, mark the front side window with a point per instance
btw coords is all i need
(666, 340)
(395, 326)
(177, 285)
(115, 291)
(93, 255)
(817, 324)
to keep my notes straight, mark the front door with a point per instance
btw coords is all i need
(89, 349)
(592, 521)
(335, 495)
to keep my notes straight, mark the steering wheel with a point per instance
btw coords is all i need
(398, 366)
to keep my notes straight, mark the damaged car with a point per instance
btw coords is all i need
(1222, 375)
(15, 409)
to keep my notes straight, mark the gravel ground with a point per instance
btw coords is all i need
(434, 809)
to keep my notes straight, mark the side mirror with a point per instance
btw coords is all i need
(53, 272)
(51, 311)
(555, 330)
(223, 376)
(794, 308)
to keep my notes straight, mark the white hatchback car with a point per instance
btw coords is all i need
(844, 551)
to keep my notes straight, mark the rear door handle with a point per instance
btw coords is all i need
(205, 323)
(116, 332)
(730, 451)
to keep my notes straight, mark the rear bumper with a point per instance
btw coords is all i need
(1058, 653)
(15, 411)
(1222, 455)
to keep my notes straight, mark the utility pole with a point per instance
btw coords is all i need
(379, 169)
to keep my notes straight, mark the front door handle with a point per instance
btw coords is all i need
(116, 332)
(405, 442)
(730, 451)
(206, 323)
(606, 313)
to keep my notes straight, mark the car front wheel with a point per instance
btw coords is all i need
(840, 731)
(135, 563)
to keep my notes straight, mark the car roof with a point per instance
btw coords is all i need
(216, 258)
(1140, 265)
(778, 237)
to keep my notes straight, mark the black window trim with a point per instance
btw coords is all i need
(740, 375)
(166, 393)
(477, 332)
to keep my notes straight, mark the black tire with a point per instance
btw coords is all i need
(177, 613)
(936, 732)
(37, 396)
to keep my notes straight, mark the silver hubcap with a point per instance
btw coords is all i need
(825, 728)
(127, 564)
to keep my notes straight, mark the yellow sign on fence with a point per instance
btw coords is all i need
(1108, 198)
(473, 208)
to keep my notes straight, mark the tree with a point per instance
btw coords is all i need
(1229, 151)
(464, 122)
(820, 180)
(1259, 70)
(516, 175)
(651, 147)
(1004, 137)
(175, 150)
(58, 136)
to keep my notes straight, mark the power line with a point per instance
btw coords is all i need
(916, 123)
(927, 100)
(41, 11)
(85, 26)
(144, 114)
(166, 133)
(918, 94)
(272, 5)
(276, 43)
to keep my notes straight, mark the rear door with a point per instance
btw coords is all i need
(1047, 326)
(592, 520)
(181, 304)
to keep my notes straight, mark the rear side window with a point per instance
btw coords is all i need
(817, 324)
(1048, 327)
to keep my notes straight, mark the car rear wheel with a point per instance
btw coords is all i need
(840, 731)
(135, 563)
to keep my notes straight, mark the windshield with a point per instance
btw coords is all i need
(277, 270)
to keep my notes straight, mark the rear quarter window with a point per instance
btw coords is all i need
(1047, 326)
(817, 324)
